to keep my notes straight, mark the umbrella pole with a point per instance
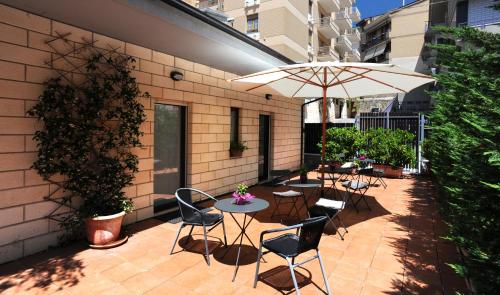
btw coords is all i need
(323, 142)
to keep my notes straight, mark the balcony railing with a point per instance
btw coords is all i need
(327, 27)
(327, 53)
(329, 5)
(352, 34)
(250, 3)
(343, 42)
(346, 3)
(353, 13)
(376, 40)
(342, 19)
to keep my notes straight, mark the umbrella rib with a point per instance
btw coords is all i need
(383, 83)
(350, 79)
(286, 77)
(302, 78)
(255, 75)
(314, 73)
(335, 76)
(403, 74)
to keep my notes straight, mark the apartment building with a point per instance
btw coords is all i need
(302, 30)
(474, 13)
(398, 37)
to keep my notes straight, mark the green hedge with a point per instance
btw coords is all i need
(463, 150)
(386, 146)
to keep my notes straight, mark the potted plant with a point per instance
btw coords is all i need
(303, 174)
(241, 196)
(399, 152)
(88, 131)
(342, 142)
(236, 149)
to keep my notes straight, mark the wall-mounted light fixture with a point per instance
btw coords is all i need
(269, 96)
(176, 75)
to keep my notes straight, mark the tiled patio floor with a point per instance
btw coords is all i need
(392, 249)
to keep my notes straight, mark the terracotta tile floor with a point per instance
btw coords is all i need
(393, 249)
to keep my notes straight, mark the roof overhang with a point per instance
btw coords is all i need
(167, 26)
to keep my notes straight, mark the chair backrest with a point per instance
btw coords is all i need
(310, 233)
(184, 195)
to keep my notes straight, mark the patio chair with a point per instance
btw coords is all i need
(284, 198)
(192, 216)
(357, 185)
(331, 209)
(378, 174)
(289, 246)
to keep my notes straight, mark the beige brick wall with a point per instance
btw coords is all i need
(24, 228)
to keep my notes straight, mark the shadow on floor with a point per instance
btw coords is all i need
(44, 271)
(423, 252)
(280, 279)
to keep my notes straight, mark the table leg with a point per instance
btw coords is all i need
(243, 227)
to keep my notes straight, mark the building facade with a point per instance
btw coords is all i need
(302, 30)
(474, 13)
(201, 104)
(398, 37)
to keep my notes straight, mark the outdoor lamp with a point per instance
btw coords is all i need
(269, 96)
(176, 75)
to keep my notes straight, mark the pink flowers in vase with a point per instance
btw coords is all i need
(241, 195)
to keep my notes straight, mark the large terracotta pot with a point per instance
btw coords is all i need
(103, 230)
(379, 167)
(393, 172)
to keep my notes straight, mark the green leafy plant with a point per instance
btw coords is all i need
(463, 149)
(87, 135)
(303, 170)
(344, 141)
(242, 189)
(238, 146)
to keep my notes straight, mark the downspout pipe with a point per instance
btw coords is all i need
(302, 128)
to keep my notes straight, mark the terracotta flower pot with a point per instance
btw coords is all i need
(379, 167)
(393, 172)
(102, 230)
(235, 153)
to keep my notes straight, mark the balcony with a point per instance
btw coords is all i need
(376, 40)
(353, 35)
(342, 20)
(353, 13)
(327, 53)
(352, 56)
(327, 27)
(310, 50)
(346, 3)
(342, 44)
(329, 5)
(251, 3)
(254, 35)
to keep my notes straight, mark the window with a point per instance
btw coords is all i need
(462, 13)
(235, 124)
(252, 23)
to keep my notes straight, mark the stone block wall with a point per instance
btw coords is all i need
(24, 226)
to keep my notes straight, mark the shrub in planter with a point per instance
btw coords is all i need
(88, 130)
(344, 141)
(236, 148)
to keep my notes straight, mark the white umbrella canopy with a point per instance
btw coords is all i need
(341, 80)
(333, 79)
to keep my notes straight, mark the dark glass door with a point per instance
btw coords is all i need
(264, 136)
(169, 154)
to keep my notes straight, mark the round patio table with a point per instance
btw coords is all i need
(251, 208)
(311, 183)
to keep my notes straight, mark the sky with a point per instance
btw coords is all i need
(375, 7)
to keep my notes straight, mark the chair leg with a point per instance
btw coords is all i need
(190, 232)
(259, 256)
(176, 238)
(224, 231)
(294, 279)
(324, 273)
(206, 244)
(342, 223)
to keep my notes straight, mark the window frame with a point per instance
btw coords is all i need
(234, 132)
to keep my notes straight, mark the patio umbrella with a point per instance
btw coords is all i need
(334, 79)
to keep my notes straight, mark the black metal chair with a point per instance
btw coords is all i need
(192, 216)
(289, 246)
(331, 209)
(284, 198)
(360, 186)
(378, 174)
